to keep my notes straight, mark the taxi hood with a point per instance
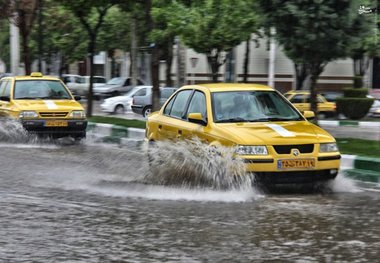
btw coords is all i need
(272, 133)
(53, 105)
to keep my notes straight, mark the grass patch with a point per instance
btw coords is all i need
(359, 147)
(118, 121)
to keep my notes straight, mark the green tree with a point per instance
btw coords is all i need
(63, 36)
(214, 27)
(4, 43)
(114, 34)
(91, 14)
(367, 45)
(22, 14)
(312, 32)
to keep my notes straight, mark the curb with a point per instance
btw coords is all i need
(361, 124)
(108, 133)
(361, 168)
(357, 167)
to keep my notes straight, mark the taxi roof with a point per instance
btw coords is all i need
(34, 76)
(298, 92)
(215, 87)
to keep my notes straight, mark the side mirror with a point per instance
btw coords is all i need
(5, 98)
(309, 115)
(196, 118)
(77, 97)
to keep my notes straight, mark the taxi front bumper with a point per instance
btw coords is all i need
(76, 128)
(269, 170)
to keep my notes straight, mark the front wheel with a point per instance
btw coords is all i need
(119, 109)
(146, 111)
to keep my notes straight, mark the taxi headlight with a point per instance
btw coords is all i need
(28, 114)
(251, 150)
(77, 114)
(328, 147)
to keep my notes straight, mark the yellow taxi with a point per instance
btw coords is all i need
(43, 105)
(301, 100)
(277, 143)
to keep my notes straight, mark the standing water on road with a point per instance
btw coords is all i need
(93, 203)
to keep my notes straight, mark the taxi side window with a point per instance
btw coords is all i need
(198, 104)
(2, 86)
(297, 99)
(180, 103)
(7, 89)
(169, 106)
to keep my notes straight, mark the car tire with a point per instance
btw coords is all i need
(119, 109)
(146, 111)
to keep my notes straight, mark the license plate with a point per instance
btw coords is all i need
(56, 123)
(289, 164)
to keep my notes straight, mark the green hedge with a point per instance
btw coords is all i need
(354, 108)
(355, 93)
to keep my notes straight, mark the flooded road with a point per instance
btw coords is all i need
(87, 203)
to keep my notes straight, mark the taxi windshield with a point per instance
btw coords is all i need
(251, 106)
(40, 89)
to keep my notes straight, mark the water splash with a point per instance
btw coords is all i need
(11, 131)
(193, 164)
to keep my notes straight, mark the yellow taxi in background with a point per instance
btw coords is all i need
(301, 100)
(43, 105)
(276, 142)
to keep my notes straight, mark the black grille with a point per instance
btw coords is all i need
(285, 149)
(53, 114)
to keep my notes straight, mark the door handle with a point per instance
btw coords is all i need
(160, 126)
(180, 132)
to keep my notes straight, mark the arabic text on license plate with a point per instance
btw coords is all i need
(295, 163)
(56, 123)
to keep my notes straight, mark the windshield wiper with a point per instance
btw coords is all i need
(237, 119)
(274, 119)
(25, 98)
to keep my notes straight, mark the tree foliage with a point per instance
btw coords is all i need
(313, 32)
(91, 14)
(213, 27)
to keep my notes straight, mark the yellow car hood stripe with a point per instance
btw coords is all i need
(50, 104)
(280, 130)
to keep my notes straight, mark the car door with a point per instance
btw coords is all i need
(299, 101)
(172, 121)
(197, 104)
(5, 95)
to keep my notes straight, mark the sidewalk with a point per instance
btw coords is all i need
(357, 167)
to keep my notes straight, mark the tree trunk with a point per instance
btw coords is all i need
(246, 60)
(181, 64)
(133, 68)
(302, 76)
(361, 65)
(214, 65)
(91, 51)
(315, 70)
(155, 60)
(169, 60)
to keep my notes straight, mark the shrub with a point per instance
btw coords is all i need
(354, 108)
(355, 93)
(358, 82)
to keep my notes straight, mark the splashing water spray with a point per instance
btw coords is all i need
(193, 164)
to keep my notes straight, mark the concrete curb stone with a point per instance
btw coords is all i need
(361, 168)
(362, 124)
